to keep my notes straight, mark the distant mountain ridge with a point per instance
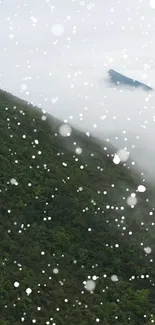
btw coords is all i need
(119, 79)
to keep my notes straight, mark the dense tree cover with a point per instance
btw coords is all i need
(65, 219)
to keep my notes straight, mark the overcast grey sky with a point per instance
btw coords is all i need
(62, 72)
(97, 35)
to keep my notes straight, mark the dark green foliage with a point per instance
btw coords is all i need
(51, 209)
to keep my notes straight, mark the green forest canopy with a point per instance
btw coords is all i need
(74, 250)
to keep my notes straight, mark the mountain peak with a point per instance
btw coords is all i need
(119, 79)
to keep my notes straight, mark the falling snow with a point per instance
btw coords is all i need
(78, 151)
(60, 61)
(123, 155)
(148, 250)
(152, 4)
(141, 188)
(57, 29)
(116, 159)
(13, 181)
(90, 285)
(114, 278)
(16, 284)
(132, 200)
(28, 291)
(65, 130)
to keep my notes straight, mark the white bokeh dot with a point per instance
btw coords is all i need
(65, 130)
(152, 4)
(132, 200)
(114, 278)
(78, 151)
(148, 250)
(16, 284)
(28, 291)
(23, 87)
(123, 155)
(141, 188)
(13, 181)
(116, 159)
(90, 285)
(57, 29)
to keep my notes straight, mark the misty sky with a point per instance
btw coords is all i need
(97, 36)
(62, 73)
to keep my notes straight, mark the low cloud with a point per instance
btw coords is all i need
(66, 75)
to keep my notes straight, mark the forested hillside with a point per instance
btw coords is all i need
(77, 234)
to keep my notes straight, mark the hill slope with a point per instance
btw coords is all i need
(64, 219)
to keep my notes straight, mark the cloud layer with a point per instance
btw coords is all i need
(55, 55)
